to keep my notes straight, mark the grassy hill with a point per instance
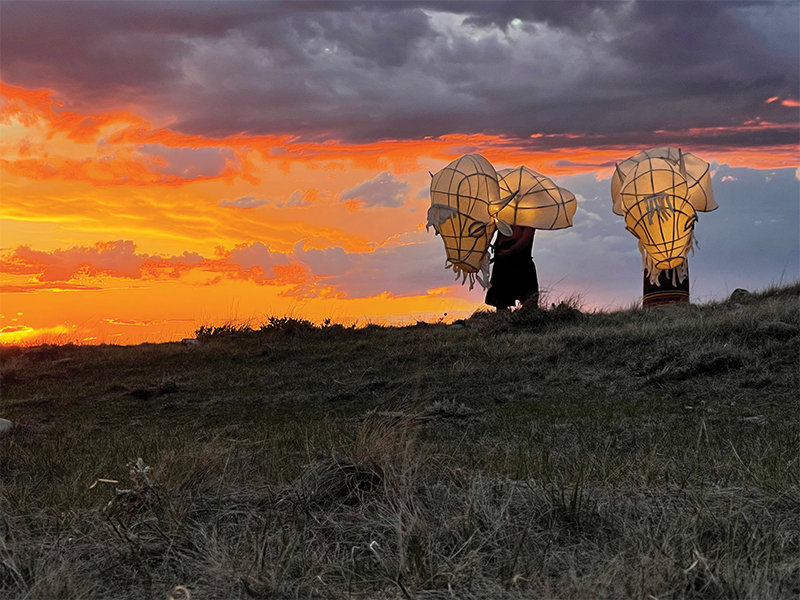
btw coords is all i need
(643, 453)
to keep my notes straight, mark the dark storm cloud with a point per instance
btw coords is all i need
(96, 47)
(364, 71)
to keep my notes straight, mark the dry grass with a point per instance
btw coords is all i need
(552, 454)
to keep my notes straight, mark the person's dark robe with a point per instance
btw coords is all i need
(513, 276)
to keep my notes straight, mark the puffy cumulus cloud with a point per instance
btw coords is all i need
(115, 259)
(583, 217)
(406, 265)
(244, 202)
(384, 190)
(606, 71)
(62, 269)
(329, 262)
(257, 256)
(303, 198)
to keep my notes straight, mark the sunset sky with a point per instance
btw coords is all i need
(165, 165)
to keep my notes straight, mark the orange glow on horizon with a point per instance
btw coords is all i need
(76, 317)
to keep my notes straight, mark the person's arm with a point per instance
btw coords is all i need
(521, 245)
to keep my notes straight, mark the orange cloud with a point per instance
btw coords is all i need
(27, 106)
(124, 133)
(145, 322)
(116, 259)
(116, 171)
(399, 267)
(123, 164)
(62, 286)
(62, 269)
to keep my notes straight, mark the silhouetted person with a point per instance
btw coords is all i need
(513, 274)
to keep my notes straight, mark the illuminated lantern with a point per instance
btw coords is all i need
(659, 192)
(461, 195)
(530, 199)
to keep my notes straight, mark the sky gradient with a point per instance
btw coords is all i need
(165, 165)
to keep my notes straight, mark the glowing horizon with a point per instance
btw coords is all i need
(64, 247)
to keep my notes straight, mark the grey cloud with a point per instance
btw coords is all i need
(188, 163)
(325, 263)
(577, 15)
(244, 202)
(384, 190)
(303, 198)
(295, 200)
(385, 39)
(775, 23)
(615, 72)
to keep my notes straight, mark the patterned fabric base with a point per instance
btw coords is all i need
(665, 292)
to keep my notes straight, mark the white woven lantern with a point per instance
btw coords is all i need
(659, 192)
(461, 195)
(530, 199)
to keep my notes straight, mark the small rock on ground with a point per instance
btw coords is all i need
(5, 427)
(756, 420)
(740, 295)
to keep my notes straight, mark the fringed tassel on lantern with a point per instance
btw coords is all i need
(679, 273)
(461, 274)
(482, 276)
